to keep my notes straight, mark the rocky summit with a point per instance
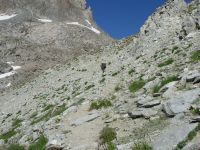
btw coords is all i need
(66, 85)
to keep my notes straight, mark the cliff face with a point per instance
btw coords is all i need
(42, 33)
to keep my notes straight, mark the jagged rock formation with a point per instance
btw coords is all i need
(149, 91)
(39, 34)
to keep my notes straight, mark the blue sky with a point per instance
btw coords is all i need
(121, 18)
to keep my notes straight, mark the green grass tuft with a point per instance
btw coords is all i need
(142, 146)
(165, 81)
(100, 104)
(136, 85)
(6, 136)
(40, 144)
(166, 63)
(52, 112)
(107, 135)
(111, 146)
(195, 57)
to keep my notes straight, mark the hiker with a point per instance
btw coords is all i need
(103, 67)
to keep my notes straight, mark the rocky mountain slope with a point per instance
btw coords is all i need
(142, 92)
(38, 34)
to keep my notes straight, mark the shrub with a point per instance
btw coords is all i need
(166, 63)
(39, 145)
(107, 135)
(136, 85)
(100, 104)
(195, 56)
(142, 146)
(15, 147)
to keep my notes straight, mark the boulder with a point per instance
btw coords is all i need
(151, 104)
(180, 103)
(168, 110)
(142, 100)
(174, 133)
(192, 75)
(142, 113)
(135, 114)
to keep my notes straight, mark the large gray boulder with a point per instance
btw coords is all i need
(181, 102)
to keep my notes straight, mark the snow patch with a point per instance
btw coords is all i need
(8, 85)
(10, 62)
(45, 20)
(6, 17)
(7, 74)
(16, 67)
(88, 22)
(90, 28)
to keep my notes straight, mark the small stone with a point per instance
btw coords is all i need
(192, 76)
(157, 94)
(195, 119)
(135, 114)
(54, 145)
